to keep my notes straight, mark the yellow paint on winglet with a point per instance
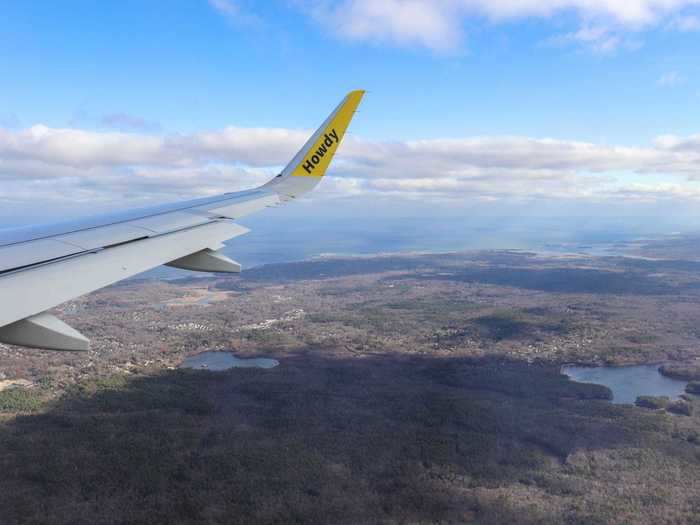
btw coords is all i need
(318, 157)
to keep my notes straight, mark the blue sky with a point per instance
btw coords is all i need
(188, 66)
(494, 107)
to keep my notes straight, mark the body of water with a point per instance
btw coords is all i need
(217, 361)
(628, 382)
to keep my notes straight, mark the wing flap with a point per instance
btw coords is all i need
(29, 253)
(95, 238)
(169, 222)
(40, 251)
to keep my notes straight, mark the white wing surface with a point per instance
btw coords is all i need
(44, 266)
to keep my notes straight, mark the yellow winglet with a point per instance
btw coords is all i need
(316, 155)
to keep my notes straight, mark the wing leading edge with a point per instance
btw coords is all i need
(42, 267)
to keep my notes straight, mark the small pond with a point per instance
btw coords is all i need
(628, 382)
(217, 361)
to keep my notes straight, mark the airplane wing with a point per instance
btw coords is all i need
(42, 267)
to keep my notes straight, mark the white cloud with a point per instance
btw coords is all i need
(42, 164)
(428, 24)
(602, 40)
(233, 12)
(439, 24)
(88, 149)
(631, 13)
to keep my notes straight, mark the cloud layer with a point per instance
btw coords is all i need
(42, 164)
(439, 24)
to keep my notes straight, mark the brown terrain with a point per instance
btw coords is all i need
(411, 389)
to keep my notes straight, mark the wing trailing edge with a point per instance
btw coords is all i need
(43, 267)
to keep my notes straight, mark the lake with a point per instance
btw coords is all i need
(628, 382)
(217, 361)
